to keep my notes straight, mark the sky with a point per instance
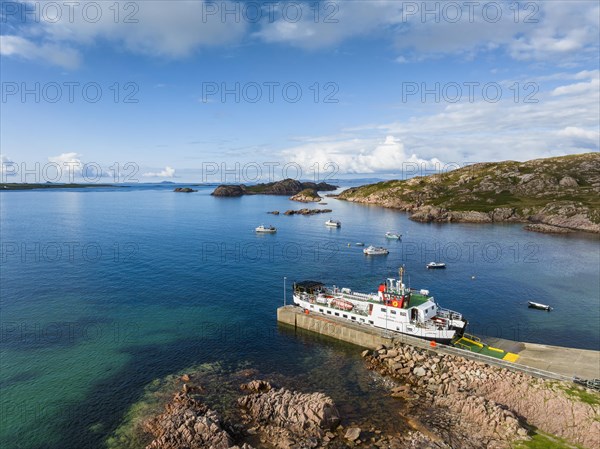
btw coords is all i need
(222, 91)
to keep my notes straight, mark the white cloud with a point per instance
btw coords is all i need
(168, 172)
(71, 161)
(355, 155)
(466, 132)
(169, 29)
(562, 31)
(580, 133)
(577, 88)
(565, 30)
(55, 54)
(7, 167)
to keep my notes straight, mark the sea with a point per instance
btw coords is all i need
(105, 290)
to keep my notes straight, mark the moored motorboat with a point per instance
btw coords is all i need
(392, 235)
(537, 305)
(266, 230)
(436, 265)
(394, 307)
(333, 223)
(359, 244)
(375, 251)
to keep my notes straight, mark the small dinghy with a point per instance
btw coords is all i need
(537, 305)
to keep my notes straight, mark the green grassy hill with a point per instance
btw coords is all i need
(561, 192)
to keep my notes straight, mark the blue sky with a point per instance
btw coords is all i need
(371, 60)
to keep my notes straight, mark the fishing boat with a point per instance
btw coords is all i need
(333, 223)
(266, 230)
(394, 307)
(392, 235)
(435, 265)
(537, 305)
(375, 251)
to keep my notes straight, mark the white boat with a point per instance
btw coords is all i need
(537, 305)
(266, 230)
(394, 307)
(333, 223)
(436, 265)
(392, 235)
(375, 251)
(359, 244)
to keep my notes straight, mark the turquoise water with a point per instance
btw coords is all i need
(103, 291)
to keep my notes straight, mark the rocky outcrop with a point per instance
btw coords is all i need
(306, 211)
(561, 192)
(281, 417)
(187, 423)
(287, 187)
(306, 196)
(184, 189)
(287, 417)
(229, 190)
(492, 403)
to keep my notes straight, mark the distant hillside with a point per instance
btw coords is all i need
(552, 195)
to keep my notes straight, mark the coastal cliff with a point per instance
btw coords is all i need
(561, 193)
(287, 187)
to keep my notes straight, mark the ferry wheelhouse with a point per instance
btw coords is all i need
(394, 307)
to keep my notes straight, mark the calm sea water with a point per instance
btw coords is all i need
(103, 291)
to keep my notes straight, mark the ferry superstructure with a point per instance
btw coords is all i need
(394, 307)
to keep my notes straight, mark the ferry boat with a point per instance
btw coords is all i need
(267, 230)
(333, 223)
(392, 235)
(394, 307)
(375, 251)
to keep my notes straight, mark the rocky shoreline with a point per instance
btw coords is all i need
(445, 402)
(555, 195)
(486, 406)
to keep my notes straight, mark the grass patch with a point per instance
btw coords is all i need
(540, 440)
(582, 395)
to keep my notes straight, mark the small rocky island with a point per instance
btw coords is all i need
(184, 189)
(561, 193)
(286, 187)
(307, 196)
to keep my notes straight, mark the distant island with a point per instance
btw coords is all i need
(50, 185)
(559, 194)
(285, 187)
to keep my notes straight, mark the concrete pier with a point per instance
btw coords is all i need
(545, 361)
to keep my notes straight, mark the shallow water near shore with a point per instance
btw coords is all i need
(117, 288)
